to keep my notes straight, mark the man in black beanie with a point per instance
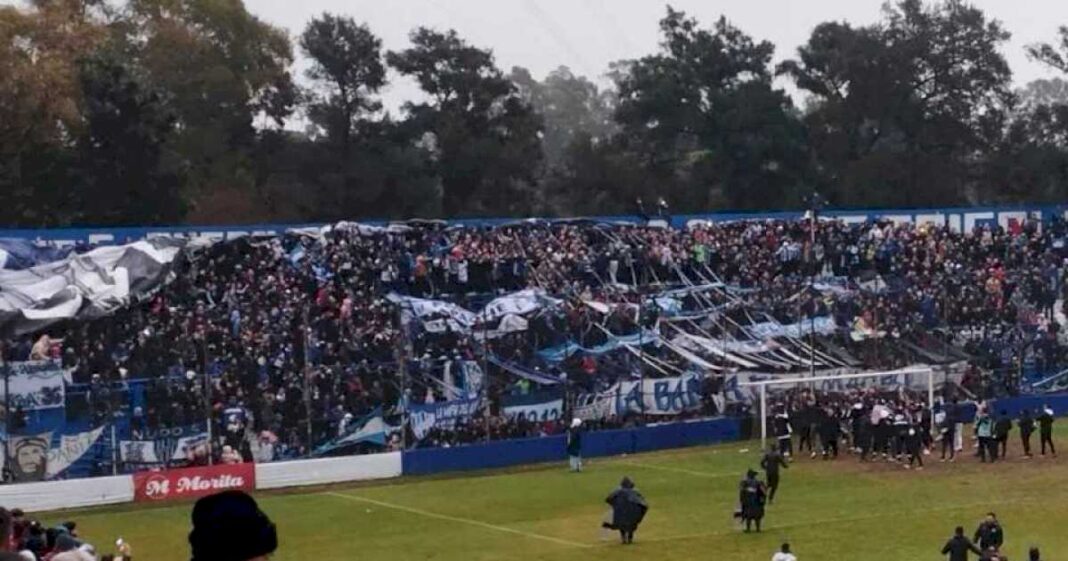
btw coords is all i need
(230, 526)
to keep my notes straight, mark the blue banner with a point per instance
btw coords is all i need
(426, 417)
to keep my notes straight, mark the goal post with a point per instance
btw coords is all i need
(902, 374)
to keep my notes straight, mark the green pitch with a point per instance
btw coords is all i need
(827, 510)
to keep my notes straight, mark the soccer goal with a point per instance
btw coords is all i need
(913, 378)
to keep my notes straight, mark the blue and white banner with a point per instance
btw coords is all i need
(770, 329)
(428, 310)
(516, 303)
(560, 353)
(538, 407)
(371, 428)
(659, 396)
(34, 385)
(524, 372)
(71, 448)
(444, 415)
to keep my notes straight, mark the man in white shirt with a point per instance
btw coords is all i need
(784, 555)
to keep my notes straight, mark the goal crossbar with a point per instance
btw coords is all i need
(763, 385)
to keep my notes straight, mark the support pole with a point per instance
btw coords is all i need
(763, 415)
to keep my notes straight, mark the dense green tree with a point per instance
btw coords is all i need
(483, 138)
(703, 117)
(124, 175)
(347, 72)
(224, 69)
(900, 110)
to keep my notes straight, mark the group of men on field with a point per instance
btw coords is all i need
(904, 431)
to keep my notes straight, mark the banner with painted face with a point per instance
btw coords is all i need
(444, 415)
(28, 456)
(540, 407)
(36, 384)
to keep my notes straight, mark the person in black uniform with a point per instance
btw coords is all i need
(989, 534)
(751, 496)
(914, 446)
(805, 420)
(959, 545)
(1027, 428)
(1045, 430)
(830, 431)
(771, 463)
(1002, 428)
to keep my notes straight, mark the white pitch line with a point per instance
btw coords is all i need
(695, 473)
(457, 519)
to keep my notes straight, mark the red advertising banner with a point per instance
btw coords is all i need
(192, 483)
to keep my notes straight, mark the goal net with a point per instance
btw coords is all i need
(914, 383)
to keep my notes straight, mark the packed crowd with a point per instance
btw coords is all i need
(286, 340)
(29, 540)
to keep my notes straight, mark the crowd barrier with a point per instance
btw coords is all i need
(71, 493)
(548, 449)
(328, 470)
(1014, 405)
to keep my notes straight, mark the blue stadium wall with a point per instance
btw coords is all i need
(958, 218)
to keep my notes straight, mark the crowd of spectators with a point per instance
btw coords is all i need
(285, 340)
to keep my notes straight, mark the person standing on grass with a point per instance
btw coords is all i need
(784, 554)
(771, 463)
(989, 534)
(574, 445)
(984, 430)
(784, 433)
(628, 510)
(1002, 428)
(958, 547)
(1027, 428)
(914, 447)
(752, 495)
(1045, 430)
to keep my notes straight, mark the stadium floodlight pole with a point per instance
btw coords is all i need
(763, 388)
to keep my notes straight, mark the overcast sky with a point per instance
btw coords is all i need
(587, 35)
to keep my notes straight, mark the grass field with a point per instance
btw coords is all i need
(827, 510)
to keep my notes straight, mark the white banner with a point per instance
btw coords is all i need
(652, 396)
(139, 452)
(37, 384)
(536, 412)
(70, 449)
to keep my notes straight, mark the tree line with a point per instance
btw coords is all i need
(170, 111)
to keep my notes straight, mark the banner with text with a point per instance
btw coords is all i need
(36, 384)
(652, 396)
(444, 415)
(537, 407)
(71, 448)
(192, 483)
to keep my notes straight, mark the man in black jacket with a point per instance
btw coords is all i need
(989, 533)
(771, 463)
(1002, 428)
(1027, 427)
(958, 546)
(830, 431)
(1045, 430)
